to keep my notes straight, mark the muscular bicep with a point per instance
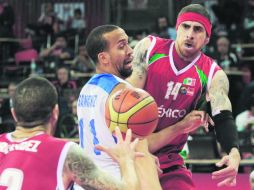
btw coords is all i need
(218, 93)
(81, 169)
(139, 63)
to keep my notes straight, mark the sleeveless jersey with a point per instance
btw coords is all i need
(33, 163)
(93, 129)
(177, 92)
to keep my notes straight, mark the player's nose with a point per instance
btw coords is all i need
(129, 50)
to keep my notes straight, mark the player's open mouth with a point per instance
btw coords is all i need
(127, 62)
(188, 45)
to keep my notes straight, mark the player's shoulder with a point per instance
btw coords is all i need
(159, 45)
(105, 81)
(208, 62)
(53, 140)
(103, 77)
(160, 41)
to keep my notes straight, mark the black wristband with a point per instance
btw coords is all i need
(225, 129)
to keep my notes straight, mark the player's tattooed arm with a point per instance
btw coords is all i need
(80, 169)
(218, 93)
(139, 63)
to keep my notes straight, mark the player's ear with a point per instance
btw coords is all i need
(103, 58)
(207, 41)
(55, 112)
(53, 120)
(14, 114)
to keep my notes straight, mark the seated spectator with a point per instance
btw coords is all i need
(245, 119)
(68, 125)
(8, 122)
(163, 30)
(58, 52)
(229, 62)
(7, 21)
(82, 62)
(77, 21)
(66, 88)
(249, 15)
(48, 19)
(245, 98)
(224, 56)
(63, 81)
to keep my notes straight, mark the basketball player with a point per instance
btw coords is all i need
(108, 47)
(32, 159)
(179, 76)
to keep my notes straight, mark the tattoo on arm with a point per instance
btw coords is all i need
(140, 52)
(139, 65)
(85, 173)
(218, 93)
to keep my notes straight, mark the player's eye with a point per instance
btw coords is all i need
(121, 46)
(185, 26)
(198, 29)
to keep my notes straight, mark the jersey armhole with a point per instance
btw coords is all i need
(60, 166)
(150, 48)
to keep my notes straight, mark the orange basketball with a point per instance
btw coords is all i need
(134, 109)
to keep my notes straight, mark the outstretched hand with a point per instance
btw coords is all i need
(124, 149)
(227, 176)
(194, 120)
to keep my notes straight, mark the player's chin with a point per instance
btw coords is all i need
(126, 72)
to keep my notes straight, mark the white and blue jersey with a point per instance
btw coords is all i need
(93, 129)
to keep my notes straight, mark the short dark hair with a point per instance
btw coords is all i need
(96, 43)
(77, 11)
(196, 8)
(33, 101)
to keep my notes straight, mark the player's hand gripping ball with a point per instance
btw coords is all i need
(134, 109)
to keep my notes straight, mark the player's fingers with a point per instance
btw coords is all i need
(223, 161)
(211, 121)
(227, 182)
(233, 182)
(203, 116)
(134, 136)
(134, 143)
(101, 148)
(196, 118)
(139, 154)
(224, 173)
(196, 113)
(206, 127)
(118, 135)
(128, 136)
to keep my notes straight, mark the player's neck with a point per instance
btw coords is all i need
(21, 132)
(101, 71)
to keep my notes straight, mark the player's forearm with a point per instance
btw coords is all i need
(235, 154)
(147, 165)
(65, 56)
(138, 77)
(47, 51)
(160, 139)
(147, 172)
(80, 169)
(129, 175)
